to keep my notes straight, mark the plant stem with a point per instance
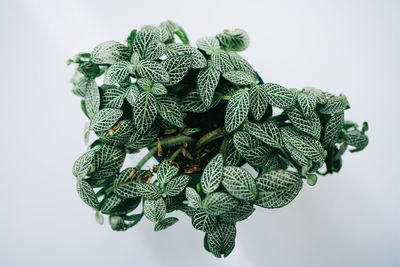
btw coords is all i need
(176, 153)
(174, 140)
(146, 157)
(211, 136)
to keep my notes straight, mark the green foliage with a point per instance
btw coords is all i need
(204, 112)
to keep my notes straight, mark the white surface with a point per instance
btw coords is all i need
(347, 219)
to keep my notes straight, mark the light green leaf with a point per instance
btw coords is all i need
(92, 98)
(237, 110)
(145, 111)
(239, 183)
(193, 102)
(220, 59)
(310, 125)
(114, 97)
(307, 103)
(149, 191)
(239, 213)
(87, 193)
(193, 197)
(207, 81)
(266, 132)
(166, 170)
(109, 52)
(168, 109)
(277, 188)
(132, 93)
(152, 70)
(177, 67)
(176, 185)
(174, 49)
(158, 89)
(165, 223)
(105, 119)
(239, 63)
(237, 40)
(117, 72)
(240, 77)
(280, 97)
(119, 134)
(212, 174)
(208, 44)
(332, 129)
(154, 210)
(218, 203)
(221, 241)
(81, 85)
(203, 221)
(82, 165)
(144, 83)
(142, 41)
(258, 101)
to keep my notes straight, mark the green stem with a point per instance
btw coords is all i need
(146, 157)
(174, 140)
(176, 153)
(211, 136)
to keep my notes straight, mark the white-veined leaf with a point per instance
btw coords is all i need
(259, 156)
(237, 110)
(244, 141)
(142, 41)
(239, 213)
(132, 93)
(266, 132)
(109, 52)
(105, 119)
(332, 129)
(204, 222)
(239, 183)
(154, 50)
(149, 191)
(92, 98)
(218, 203)
(114, 97)
(334, 105)
(119, 134)
(208, 44)
(144, 83)
(212, 174)
(307, 103)
(108, 161)
(239, 63)
(193, 197)
(158, 89)
(174, 49)
(221, 60)
(258, 101)
(117, 72)
(233, 157)
(310, 125)
(145, 111)
(110, 203)
(277, 188)
(177, 67)
(87, 193)
(221, 241)
(82, 165)
(237, 40)
(279, 96)
(356, 139)
(139, 140)
(154, 210)
(193, 102)
(240, 77)
(166, 170)
(176, 185)
(165, 223)
(152, 70)
(207, 81)
(168, 109)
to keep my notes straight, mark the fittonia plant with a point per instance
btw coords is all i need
(203, 112)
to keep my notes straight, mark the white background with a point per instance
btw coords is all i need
(347, 219)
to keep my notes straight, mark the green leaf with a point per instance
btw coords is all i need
(259, 156)
(176, 185)
(125, 183)
(277, 188)
(81, 86)
(310, 125)
(218, 203)
(142, 41)
(144, 83)
(177, 67)
(212, 174)
(154, 210)
(244, 141)
(239, 213)
(266, 132)
(207, 81)
(132, 93)
(87, 193)
(105, 119)
(280, 97)
(237, 110)
(356, 139)
(145, 111)
(154, 50)
(204, 222)
(111, 203)
(108, 161)
(220, 59)
(165, 223)
(169, 110)
(334, 105)
(239, 63)
(109, 52)
(182, 35)
(307, 103)
(114, 97)
(237, 40)
(139, 140)
(233, 156)
(193, 197)
(174, 49)
(191, 131)
(158, 89)
(82, 165)
(152, 70)
(166, 170)
(92, 98)
(149, 191)
(117, 72)
(258, 101)
(221, 241)
(240, 77)
(332, 129)
(119, 134)
(239, 183)
(208, 44)
(193, 102)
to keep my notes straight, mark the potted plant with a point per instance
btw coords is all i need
(204, 113)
